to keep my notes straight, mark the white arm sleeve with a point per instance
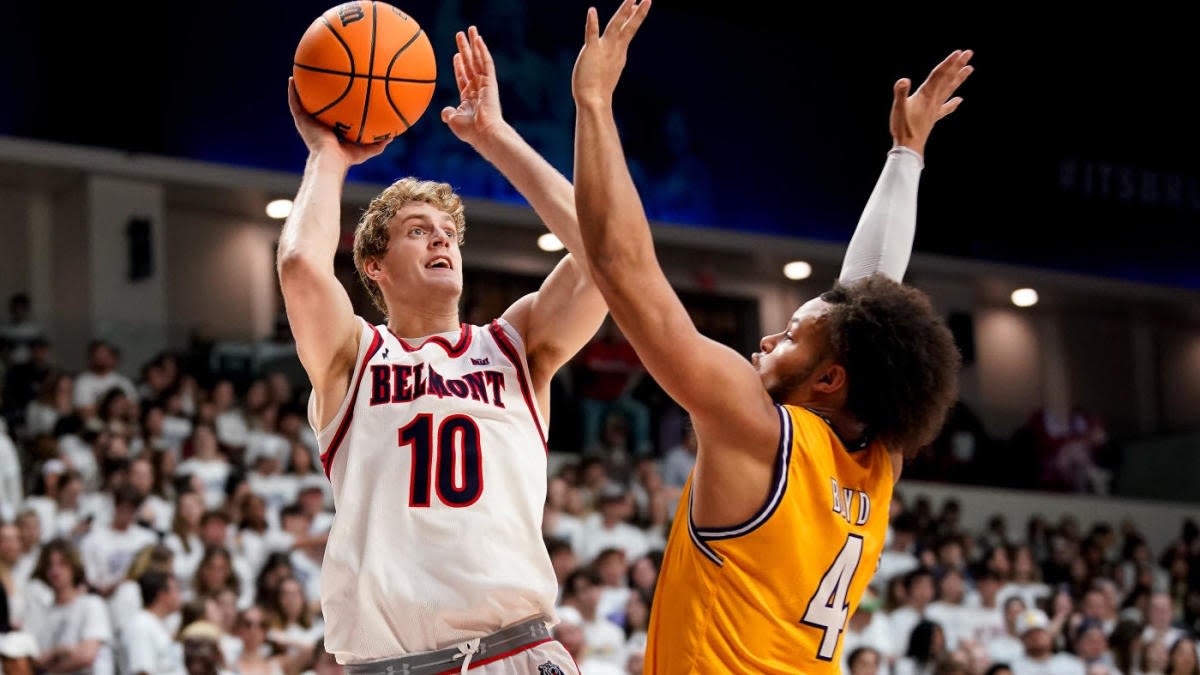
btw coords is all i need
(882, 242)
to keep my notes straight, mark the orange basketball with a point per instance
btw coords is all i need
(366, 70)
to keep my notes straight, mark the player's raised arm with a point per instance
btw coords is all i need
(318, 309)
(882, 242)
(557, 320)
(720, 389)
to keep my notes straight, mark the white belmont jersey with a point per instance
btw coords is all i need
(437, 458)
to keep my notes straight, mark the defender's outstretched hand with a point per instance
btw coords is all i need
(478, 112)
(318, 137)
(913, 116)
(602, 58)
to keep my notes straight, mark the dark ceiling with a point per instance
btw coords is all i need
(1075, 150)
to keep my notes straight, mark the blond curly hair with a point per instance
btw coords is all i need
(371, 236)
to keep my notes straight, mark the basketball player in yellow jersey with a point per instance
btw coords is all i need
(783, 521)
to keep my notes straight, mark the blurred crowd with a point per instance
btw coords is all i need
(175, 522)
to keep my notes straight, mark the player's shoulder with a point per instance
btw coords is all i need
(503, 331)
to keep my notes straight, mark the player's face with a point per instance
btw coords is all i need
(789, 358)
(422, 253)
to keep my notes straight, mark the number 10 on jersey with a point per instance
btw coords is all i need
(447, 459)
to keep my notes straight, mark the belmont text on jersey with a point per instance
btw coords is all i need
(406, 383)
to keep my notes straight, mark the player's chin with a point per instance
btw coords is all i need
(442, 279)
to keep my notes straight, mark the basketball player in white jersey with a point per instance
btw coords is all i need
(432, 432)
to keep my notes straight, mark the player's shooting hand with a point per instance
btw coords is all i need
(478, 113)
(913, 116)
(602, 58)
(320, 139)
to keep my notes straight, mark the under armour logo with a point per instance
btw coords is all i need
(548, 668)
(481, 362)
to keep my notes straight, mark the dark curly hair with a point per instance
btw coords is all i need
(900, 359)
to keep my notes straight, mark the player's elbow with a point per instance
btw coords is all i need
(296, 267)
(611, 260)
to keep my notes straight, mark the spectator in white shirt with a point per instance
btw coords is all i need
(184, 538)
(154, 512)
(614, 593)
(1183, 658)
(69, 519)
(147, 638)
(100, 377)
(868, 628)
(605, 640)
(1039, 657)
(982, 618)
(1091, 646)
(307, 550)
(311, 499)
(256, 538)
(918, 593)
(557, 521)
(29, 528)
(1026, 579)
(108, 550)
(230, 422)
(208, 464)
(11, 489)
(126, 600)
(10, 556)
(18, 335)
(948, 610)
(611, 530)
(562, 559)
(863, 660)
(73, 633)
(1161, 614)
(898, 557)
(268, 481)
(54, 400)
(926, 647)
(679, 460)
(572, 635)
(292, 624)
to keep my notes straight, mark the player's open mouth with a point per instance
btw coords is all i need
(439, 263)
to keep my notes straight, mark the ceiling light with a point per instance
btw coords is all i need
(279, 208)
(1024, 297)
(550, 243)
(797, 270)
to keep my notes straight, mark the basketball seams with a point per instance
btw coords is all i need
(388, 75)
(362, 125)
(349, 55)
(331, 71)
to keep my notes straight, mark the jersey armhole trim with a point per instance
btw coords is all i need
(774, 495)
(352, 394)
(514, 356)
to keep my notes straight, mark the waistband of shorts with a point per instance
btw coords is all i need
(502, 643)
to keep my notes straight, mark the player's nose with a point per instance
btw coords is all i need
(768, 343)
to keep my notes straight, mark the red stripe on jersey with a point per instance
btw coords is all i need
(454, 351)
(492, 659)
(327, 456)
(506, 346)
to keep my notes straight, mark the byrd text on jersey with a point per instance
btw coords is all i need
(408, 382)
(851, 504)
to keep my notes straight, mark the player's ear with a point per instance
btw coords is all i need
(374, 268)
(830, 379)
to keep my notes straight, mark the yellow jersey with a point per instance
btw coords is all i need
(773, 594)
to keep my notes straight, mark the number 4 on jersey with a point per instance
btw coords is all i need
(828, 607)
